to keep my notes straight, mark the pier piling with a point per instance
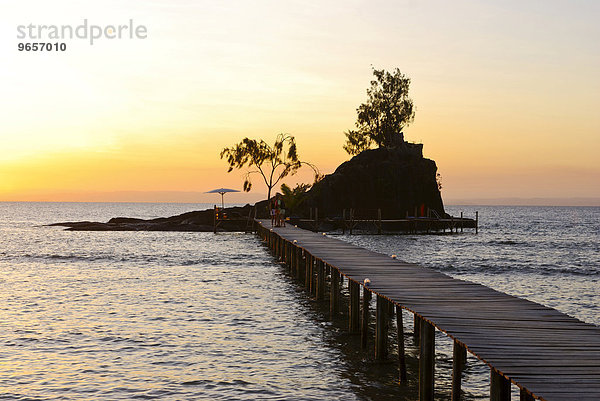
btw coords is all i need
(364, 329)
(320, 281)
(417, 329)
(401, 356)
(334, 292)
(426, 361)
(381, 329)
(354, 307)
(308, 272)
(459, 355)
(499, 387)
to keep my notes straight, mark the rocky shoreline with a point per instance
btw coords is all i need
(200, 221)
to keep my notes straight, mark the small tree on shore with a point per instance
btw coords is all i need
(272, 163)
(294, 197)
(381, 119)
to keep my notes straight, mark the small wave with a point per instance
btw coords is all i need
(20, 397)
(79, 258)
(211, 383)
(505, 242)
(195, 382)
(502, 269)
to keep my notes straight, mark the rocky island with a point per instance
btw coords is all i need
(396, 180)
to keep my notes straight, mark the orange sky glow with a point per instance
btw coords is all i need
(507, 94)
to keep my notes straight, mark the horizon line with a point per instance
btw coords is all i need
(505, 201)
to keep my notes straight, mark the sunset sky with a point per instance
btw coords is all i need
(507, 94)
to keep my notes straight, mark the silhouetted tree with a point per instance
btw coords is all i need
(293, 198)
(272, 163)
(382, 118)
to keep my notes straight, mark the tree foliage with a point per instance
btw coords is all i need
(272, 163)
(294, 197)
(381, 119)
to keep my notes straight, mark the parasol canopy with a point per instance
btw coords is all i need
(221, 191)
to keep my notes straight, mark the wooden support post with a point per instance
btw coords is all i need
(401, 355)
(476, 222)
(461, 222)
(499, 387)
(525, 396)
(278, 247)
(283, 250)
(459, 355)
(308, 271)
(390, 310)
(300, 264)
(379, 219)
(311, 284)
(354, 307)
(286, 254)
(426, 362)
(293, 258)
(334, 292)
(316, 219)
(320, 290)
(215, 219)
(417, 329)
(297, 264)
(364, 328)
(381, 329)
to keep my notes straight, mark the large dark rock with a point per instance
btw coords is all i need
(395, 180)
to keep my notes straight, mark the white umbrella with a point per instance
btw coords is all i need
(221, 191)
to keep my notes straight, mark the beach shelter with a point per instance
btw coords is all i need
(221, 191)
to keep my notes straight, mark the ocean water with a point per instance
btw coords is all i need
(194, 316)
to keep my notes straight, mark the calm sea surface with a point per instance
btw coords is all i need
(191, 316)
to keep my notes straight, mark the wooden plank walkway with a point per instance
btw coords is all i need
(549, 355)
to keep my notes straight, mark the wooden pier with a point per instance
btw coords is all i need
(371, 221)
(242, 223)
(547, 354)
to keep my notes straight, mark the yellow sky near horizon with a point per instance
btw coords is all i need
(507, 94)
